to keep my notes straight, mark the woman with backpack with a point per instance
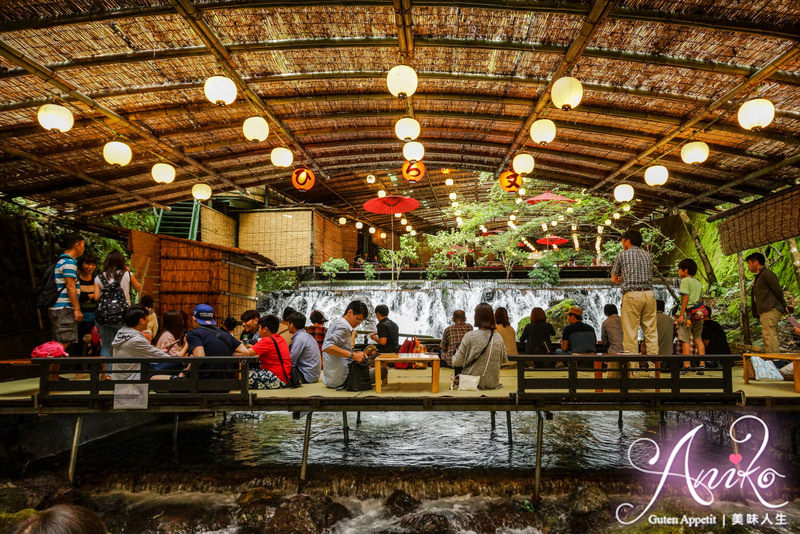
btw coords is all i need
(113, 286)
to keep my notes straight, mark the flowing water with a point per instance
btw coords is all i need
(426, 307)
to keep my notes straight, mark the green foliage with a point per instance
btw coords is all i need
(505, 248)
(406, 252)
(369, 271)
(544, 273)
(334, 266)
(144, 220)
(274, 280)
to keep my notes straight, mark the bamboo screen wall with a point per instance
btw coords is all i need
(772, 219)
(191, 273)
(282, 235)
(146, 261)
(349, 242)
(327, 240)
(217, 228)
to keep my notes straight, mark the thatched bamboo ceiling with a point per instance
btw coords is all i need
(655, 74)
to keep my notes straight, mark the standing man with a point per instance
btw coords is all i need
(452, 336)
(337, 348)
(388, 334)
(767, 301)
(305, 351)
(66, 313)
(633, 270)
(250, 329)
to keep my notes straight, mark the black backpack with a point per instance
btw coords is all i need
(357, 377)
(47, 293)
(112, 304)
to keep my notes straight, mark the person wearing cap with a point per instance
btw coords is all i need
(205, 339)
(317, 329)
(388, 334)
(452, 336)
(250, 335)
(577, 337)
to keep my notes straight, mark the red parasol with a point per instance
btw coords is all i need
(548, 197)
(457, 249)
(391, 204)
(552, 240)
(490, 232)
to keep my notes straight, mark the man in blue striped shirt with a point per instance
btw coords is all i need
(66, 313)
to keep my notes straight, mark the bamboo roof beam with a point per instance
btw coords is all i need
(691, 122)
(194, 18)
(11, 149)
(566, 8)
(662, 60)
(591, 23)
(60, 83)
(750, 176)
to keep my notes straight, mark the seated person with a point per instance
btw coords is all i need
(205, 339)
(273, 355)
(714, 337)
(230, 324)
(577, 337)
(387, 337)
(130, 342)
(249, 323)
(305, 353)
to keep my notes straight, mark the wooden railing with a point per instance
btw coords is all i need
(216, 378)
(585, 375)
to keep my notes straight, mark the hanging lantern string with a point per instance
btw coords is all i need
(672, 148)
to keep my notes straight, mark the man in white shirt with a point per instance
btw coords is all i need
(337, 348)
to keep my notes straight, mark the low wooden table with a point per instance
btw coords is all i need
(385, 359)
(792, 356)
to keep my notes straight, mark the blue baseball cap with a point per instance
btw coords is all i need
(204, 314)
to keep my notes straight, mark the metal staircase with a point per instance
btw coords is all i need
(183, 220)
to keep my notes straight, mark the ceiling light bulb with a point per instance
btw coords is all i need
(408, 228)
(403, 221)
(453, 196)
(370, 178)
(616, 215)
(381, 193)
(448, 182)
(342, 220)
(359, 225)
(383, 235)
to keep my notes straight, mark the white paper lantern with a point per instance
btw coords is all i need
(117, 153)
(756, 114)
(201, 191)
(370, 178)
(55, 117)
(398, 215)
(372, 229)
(413, 233)
(452, 196)
(522, 191)
(522, 163)
(381, 193)
(281, 156)
(342, 220)
(448, 182)
(567, 93)
(383, 235)
(220, 90)
(656, 175)
(616, 215)
(694, 152)
(163, 173)
(413, 151)
(407, 129)
(543, 131)
(403, 221)
(359, 225)
(623, 193)
(408, 228)
(402, 81)
(607, 222)
(256, 129)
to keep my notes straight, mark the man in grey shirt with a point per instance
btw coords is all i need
(611, 330)
(337, 348)
(304, 350)
(666, 330)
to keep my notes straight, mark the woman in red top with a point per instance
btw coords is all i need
(273, 355)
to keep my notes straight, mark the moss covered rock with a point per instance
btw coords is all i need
(557, 315)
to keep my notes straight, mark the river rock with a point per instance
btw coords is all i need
(401, 503)
(589, 500)
(306, 514)
(256, 508)
(502, 515)
(427, 523)
(29, 493)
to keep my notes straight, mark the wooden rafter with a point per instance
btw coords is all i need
(693, 120)
(60, 83)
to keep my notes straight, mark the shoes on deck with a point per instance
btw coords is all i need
(684, 372)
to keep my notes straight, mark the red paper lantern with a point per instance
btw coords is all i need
(413, 171)
(303, 179)
(510, 182)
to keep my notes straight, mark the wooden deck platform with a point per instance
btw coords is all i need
(410, 390)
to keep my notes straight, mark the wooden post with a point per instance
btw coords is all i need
(537, 478)
(711, 277)
(744, 316)
(304, 462)
(23, 226)
(73, 456)
(795, 259)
